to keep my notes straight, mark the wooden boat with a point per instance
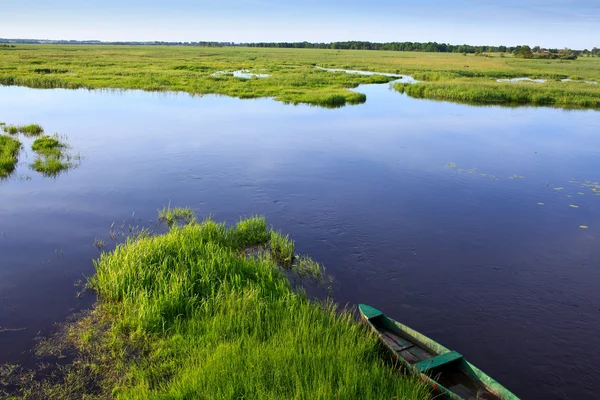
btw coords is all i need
(445, 370)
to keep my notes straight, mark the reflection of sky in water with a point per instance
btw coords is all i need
(363, 189)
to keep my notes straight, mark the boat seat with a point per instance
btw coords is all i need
(437, 361)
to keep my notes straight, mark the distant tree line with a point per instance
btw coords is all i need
(432, 47)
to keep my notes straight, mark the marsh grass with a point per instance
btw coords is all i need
(30, 130)
(485, 91)
(11, 129)
(282, 249)
(53, 159)
(9, 153)
(48, 146)
(188, 314)
(293, 77)
(174, 216)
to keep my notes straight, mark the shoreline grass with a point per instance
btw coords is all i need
(483, 91)
(189, 314)
(293, 77)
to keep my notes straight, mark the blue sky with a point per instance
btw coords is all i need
(555, 23)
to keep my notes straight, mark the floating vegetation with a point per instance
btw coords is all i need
(583, 226)
(471, 171)
(515, 176)
(580, 193)
(573, 206)
(559, 188)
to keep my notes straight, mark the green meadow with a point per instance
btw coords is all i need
(293, 78)
(207, 311)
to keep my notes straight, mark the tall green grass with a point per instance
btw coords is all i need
(474, 91)
(196, 317)
(9, 152)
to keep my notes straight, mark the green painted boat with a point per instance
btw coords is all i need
(446, 371)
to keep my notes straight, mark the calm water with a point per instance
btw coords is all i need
(471, 260)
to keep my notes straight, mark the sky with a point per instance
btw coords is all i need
(547, 23)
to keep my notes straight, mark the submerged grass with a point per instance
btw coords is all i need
(190, 315)
(173, 216)
(9, 152)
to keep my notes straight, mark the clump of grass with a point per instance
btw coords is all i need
(11, 129)
(27, 130)
(51, 166)
(9, 152)
(173, 216)
(188, 315)
(47, 146)
(250, 232)
(282, 249)
(52, 159)
(31, 130)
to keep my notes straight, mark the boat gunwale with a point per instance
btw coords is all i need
(431, 345)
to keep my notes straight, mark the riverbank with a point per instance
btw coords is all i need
(208, 311)
(288, 75)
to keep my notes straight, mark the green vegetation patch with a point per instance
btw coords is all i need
(52, 158)
(9, 152)
(47, 145)
(173, 216)
(485, 91)
(30, 130)
(191, 315)
(293, 77)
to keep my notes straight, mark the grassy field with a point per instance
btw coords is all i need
(293, 78)
(201, 312)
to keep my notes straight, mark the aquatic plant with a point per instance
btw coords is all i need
(31, 130)
(47, 146)
(51, 165)
(282, 249)
(10, 129)
(174, 216)
(9, 152)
